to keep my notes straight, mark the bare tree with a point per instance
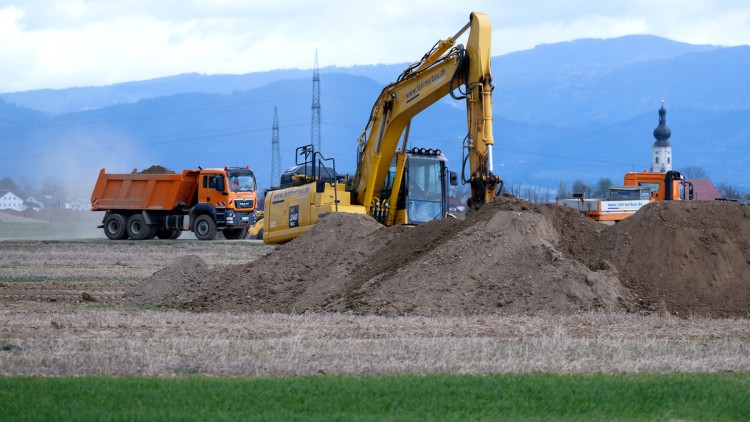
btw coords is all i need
(562, 190)
(729, 191)
(514, 190)
(6, 183)
(52, 187)
(602, 187)
(693, 172)
(580, 187)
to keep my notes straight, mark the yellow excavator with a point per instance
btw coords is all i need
(393, 184)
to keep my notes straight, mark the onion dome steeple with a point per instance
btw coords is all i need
(661, 151)
(662, 132)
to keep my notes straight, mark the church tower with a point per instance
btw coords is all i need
(661, 157)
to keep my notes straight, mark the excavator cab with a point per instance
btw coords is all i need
(424, 189)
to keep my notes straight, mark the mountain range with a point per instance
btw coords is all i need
(582, 109)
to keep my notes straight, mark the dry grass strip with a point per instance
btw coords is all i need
(86, 341)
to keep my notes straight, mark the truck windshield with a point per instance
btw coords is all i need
(425, 190)
(241, 182)
(653, 187)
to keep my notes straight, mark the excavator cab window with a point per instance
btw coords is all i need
(385, 192)
(425, 189)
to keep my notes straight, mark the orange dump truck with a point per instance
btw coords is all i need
(204, 201)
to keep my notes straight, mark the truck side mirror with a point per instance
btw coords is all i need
(453, 178)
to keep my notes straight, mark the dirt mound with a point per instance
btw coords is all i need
(172, 286)
(500, 262)
(511, 257)
(692, 256)
(156, 169)
(507, 264)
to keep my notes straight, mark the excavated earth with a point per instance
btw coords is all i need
(510, 257)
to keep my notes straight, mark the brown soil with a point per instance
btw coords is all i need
(511, 257)
(156, 169)
(63, 292)
(692, 256)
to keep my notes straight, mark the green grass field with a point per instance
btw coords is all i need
(711, 397)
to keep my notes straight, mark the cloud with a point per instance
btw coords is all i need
(56, 44)
(16, 52)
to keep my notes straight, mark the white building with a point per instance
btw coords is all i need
(33, 203)
(661, 156)
(77, 205)
(10, 201)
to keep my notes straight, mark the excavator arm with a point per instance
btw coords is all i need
(445, 69)
(376, 187)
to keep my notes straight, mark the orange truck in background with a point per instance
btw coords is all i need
(638, 190)
(204, 201)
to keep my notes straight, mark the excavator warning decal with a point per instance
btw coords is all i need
(294, 216)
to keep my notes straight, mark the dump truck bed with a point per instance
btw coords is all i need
(144, 191)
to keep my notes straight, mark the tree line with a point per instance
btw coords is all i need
(600, 189)
(47, 187)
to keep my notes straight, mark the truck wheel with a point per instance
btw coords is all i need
(168, 234)
(259, 236)
(114, 227)
(235, 233)
(204, 227)
(138, 229)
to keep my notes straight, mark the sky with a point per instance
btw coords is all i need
(53, 44)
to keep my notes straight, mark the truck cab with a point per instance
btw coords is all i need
(229, 194)
(664, 186)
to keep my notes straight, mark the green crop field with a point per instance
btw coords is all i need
(721, 396)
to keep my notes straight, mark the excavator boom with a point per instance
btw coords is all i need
(446, 68)
(392, 184)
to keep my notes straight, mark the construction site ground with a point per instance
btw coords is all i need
(511, 257)
(514, 287)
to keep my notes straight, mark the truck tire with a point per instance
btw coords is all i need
(235, 233)
(138, 229)
(259, 236)
(204, 227)
(114, 227)
(168, 234)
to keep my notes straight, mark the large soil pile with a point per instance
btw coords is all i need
(511, 257)
(692, 256)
